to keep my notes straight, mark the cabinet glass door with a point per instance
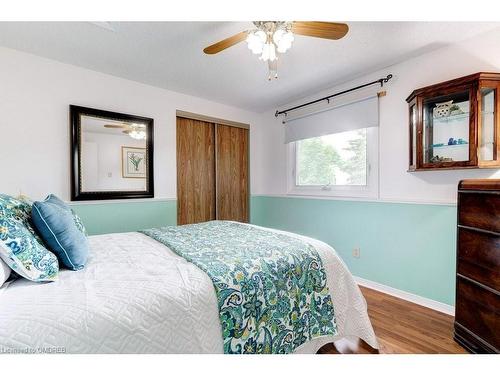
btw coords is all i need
(413, 136)
(487, 144)
(446, 128)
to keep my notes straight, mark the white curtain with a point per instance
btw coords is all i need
(335, 117)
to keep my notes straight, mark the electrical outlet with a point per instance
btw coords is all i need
(356, 252)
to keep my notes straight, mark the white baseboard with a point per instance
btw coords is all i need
(426, 302)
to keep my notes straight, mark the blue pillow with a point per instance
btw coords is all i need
(56, 225)
(79, 223)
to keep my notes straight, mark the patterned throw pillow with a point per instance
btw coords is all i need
(20, 247)
(19, 209)
(25, 206)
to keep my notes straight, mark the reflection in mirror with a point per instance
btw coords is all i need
(113, 155)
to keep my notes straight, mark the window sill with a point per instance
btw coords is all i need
(337, 192)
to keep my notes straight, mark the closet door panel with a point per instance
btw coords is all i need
(195, 171)
(232, 173)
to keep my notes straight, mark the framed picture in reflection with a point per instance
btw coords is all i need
(133, 162)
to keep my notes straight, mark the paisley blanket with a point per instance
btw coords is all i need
(271, 288)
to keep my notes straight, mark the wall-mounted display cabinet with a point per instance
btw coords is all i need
(456, 124)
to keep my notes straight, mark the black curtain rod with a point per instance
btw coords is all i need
(380, 81)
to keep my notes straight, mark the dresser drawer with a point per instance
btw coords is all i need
(479, 257)
(480, 210)
(478, 310)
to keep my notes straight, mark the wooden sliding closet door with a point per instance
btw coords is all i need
(195, 171)
(232, 173)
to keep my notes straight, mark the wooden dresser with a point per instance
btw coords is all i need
(477, 312)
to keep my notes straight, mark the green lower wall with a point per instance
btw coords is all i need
(406, 246)
(126, 216)
(410, 247)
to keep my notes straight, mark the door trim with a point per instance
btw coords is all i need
(196, 116)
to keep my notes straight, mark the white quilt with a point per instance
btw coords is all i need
(137, 296)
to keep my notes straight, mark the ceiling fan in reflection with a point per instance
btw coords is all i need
(136, 131)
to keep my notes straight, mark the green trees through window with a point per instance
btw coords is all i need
(334, 159)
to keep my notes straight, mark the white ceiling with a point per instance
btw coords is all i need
(169, 55)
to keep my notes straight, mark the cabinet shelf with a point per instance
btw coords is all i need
(447, 119)
(454, 118)
(451, 146)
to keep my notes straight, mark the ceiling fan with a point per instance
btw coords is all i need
(269, 39)
(136, 131)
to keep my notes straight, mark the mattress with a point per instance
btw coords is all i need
(137, 296)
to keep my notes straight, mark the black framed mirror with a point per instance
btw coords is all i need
(111, 155)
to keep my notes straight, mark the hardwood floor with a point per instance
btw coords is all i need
(404, 327)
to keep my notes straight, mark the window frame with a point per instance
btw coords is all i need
(370, 190)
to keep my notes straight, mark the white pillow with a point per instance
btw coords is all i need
(4, 272)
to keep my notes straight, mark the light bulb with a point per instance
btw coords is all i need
(138, 134)
(278, 34)
(261, 35)
(283, 47)
(256, 48)
(269, 52)
(250, 38)
(254, 43)
(285, 42)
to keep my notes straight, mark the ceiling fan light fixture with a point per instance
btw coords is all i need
(136, 131)
(285, 41)
(271, 38)
(262, 36)
(278, 34)
(256, 41)
(137, 134)
(269, 52)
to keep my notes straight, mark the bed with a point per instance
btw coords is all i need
(138, 296)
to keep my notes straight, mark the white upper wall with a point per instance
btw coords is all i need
(35, 94)
(477, 54)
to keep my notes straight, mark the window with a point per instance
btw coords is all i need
(333, 148)
(339, 164)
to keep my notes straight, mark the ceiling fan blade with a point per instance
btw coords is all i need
(326, 30)
(112, 126)
(226, 43)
